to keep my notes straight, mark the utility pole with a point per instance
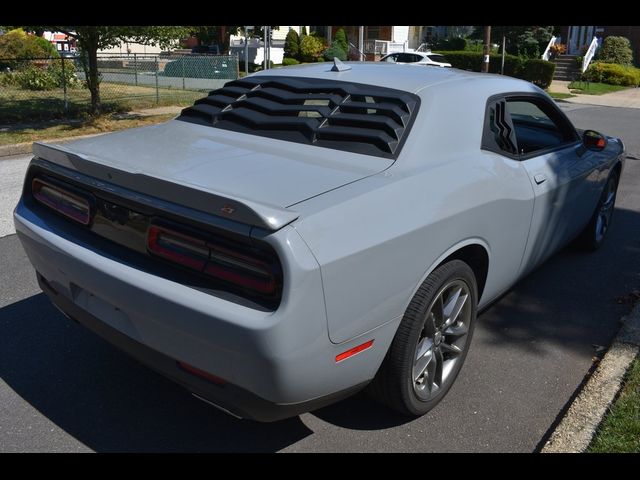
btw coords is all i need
(486, 50)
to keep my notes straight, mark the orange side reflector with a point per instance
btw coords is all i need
(601, 143)
(351, 352)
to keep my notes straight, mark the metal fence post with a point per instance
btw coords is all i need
(182, 63)
(64, 86)
(135, 66)
(157, 90)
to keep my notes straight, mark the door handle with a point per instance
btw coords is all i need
(540, 178)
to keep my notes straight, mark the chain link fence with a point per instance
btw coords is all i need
(46, 88)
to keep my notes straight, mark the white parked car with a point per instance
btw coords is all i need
(418, 58)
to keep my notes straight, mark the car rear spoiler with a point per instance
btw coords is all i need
(232, 208)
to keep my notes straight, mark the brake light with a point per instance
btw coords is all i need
(221, 262)
(62, 201)
(178, 248)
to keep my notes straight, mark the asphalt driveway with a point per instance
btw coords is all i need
(64, 389)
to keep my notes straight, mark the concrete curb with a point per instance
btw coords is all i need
(25, 148)
(575, 432)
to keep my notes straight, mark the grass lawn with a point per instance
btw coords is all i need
(70, 128)
(620, 430)
(26, 106)
(560, 95)
(593, 88)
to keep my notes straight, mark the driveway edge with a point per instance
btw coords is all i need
(574, 433)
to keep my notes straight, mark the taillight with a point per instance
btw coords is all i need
(61, 200)
(240, 268)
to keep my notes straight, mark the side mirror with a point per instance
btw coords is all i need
(593, 140)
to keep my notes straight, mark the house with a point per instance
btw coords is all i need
(380, 40)
(61, 41)
(578, 38)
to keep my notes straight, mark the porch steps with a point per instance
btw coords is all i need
(566, 68)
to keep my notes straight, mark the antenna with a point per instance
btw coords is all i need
(338, 66)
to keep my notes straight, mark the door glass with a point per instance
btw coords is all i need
(534, 129)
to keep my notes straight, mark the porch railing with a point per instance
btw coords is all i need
(547, 52)
(591, 51)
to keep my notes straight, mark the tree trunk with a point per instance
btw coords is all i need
(89, 46)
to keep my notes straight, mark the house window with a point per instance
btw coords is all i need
(373, 33)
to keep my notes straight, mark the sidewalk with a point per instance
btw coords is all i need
(629, 98)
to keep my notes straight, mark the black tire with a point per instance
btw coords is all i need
(394, 384)
(592, 237)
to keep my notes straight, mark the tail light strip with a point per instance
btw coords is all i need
(211, 259)
(62, 201)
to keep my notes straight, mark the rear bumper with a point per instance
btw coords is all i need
(227, 397)
(277, 364)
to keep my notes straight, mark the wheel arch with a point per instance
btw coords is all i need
(475, 252)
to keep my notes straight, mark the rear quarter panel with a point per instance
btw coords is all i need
(377, 239)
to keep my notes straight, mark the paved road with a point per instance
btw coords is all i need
(63, 389)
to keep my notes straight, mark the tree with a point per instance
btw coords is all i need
(341, 39)
(292, 45)
(529, 41)
(90, 39)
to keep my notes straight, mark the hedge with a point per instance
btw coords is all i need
(613, 74)
(539, 72)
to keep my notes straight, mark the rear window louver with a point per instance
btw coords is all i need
(327, 113)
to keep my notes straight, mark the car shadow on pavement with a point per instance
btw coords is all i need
(108, 401)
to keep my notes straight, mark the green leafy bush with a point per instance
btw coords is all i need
(616, 50)
(473, 61)
(537, 71)
(286, 61)
(7, 79)
(69, 77)
(17, 45)
(33, 77)
(292, 45)
(311, 48)
(335, 51)
(341, 40)
(613, 74)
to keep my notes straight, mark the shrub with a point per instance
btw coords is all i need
(616, 50)
(55, 70)
(286, 61)
(35, 78)
(311, 48)
(17, 44)
(613, 74)
(473, 61)
(335, 51)
(341, 40)
(292, 45)
(7, 79)
(538, 71)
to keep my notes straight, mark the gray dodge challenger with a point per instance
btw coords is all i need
(307, 232)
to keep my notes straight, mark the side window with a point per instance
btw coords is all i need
(524, 125)
(537, 125)
(391, 58)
